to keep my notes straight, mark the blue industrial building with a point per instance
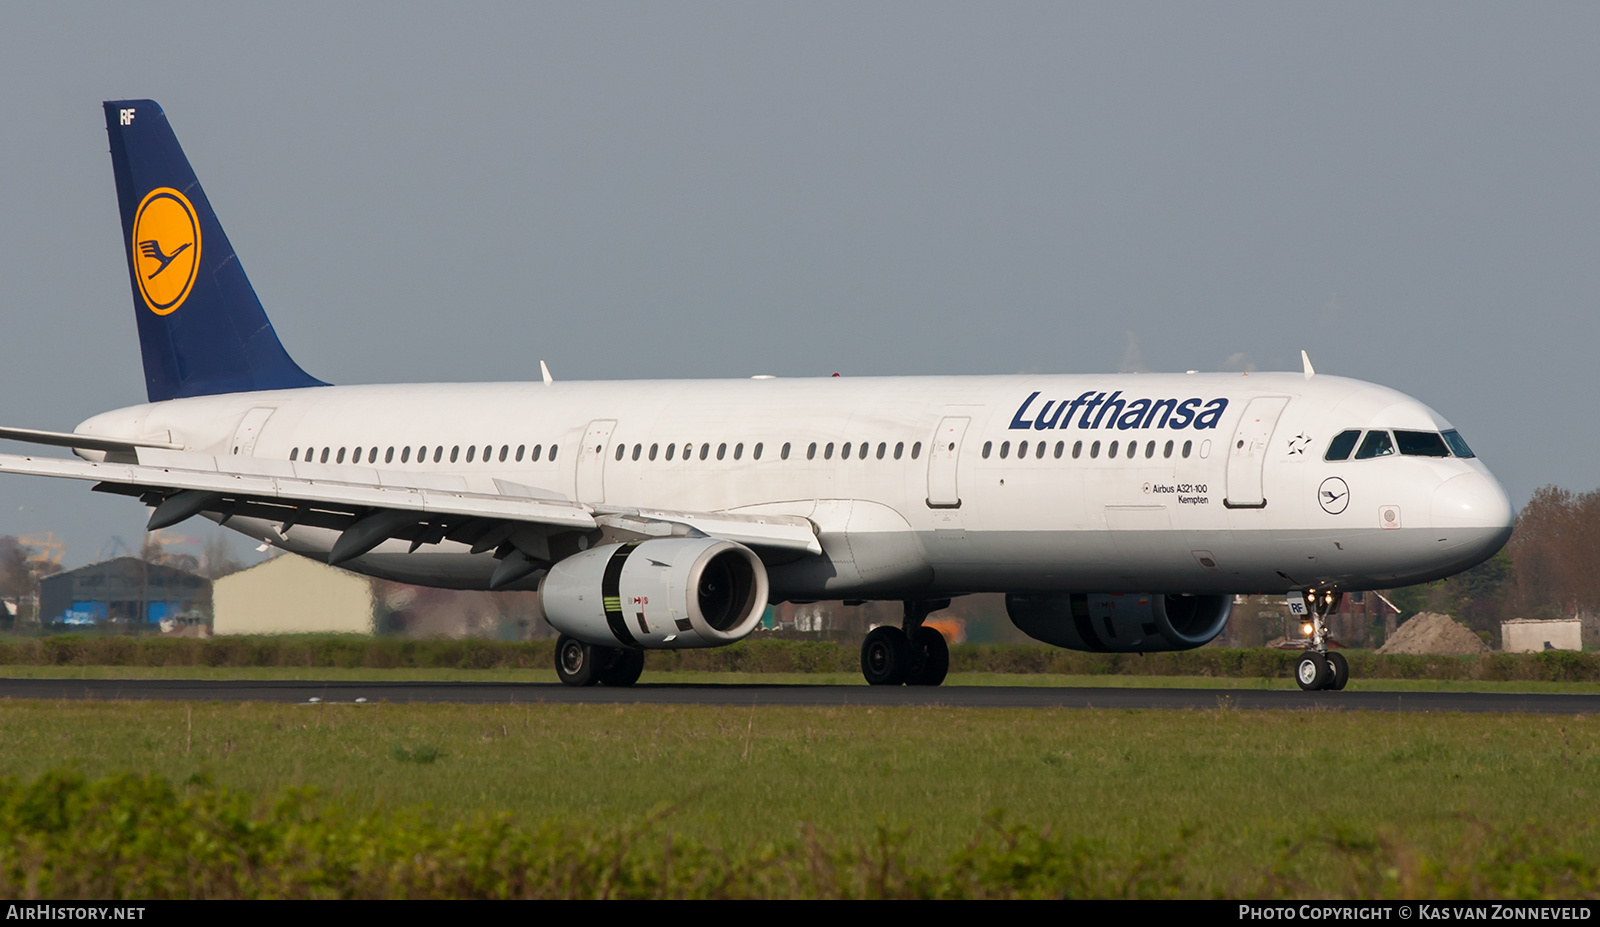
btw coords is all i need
(126, 591)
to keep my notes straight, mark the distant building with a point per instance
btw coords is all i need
(125, 591)
(290, 594)
(1521, 635)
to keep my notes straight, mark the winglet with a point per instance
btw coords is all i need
(1305, 360)
(545, 372)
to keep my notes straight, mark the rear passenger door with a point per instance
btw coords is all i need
(944, 458)
(591, 487)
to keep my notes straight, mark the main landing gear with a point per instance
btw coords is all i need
(1319, 667)
(913, 654)
(581, 664)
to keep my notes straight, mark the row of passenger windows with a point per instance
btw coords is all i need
(861, 451)
(1379, 443)
(1040, 447)
(337, 455)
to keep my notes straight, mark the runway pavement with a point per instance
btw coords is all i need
(310, 692)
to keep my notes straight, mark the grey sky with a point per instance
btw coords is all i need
(451, 192)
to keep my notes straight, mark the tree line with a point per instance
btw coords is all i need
(1546, 570)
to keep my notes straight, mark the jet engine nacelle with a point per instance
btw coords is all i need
(1121, 623)
(667, 593)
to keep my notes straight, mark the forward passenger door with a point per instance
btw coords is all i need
(1248, 452)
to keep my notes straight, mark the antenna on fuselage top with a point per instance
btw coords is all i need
(1305, 360)
(548, 379)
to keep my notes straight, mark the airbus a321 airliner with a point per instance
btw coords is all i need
(1116, 513)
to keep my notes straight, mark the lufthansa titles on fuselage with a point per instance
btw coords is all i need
(1097, 410)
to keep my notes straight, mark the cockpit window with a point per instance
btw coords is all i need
(1377, 444)
(1341, 446)
(1457, 446)
(1421, 444)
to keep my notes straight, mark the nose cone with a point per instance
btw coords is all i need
(1470, 510)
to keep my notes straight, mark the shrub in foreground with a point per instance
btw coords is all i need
(138, 837)
(129, 836)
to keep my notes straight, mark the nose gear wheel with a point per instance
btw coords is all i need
(1319, 667)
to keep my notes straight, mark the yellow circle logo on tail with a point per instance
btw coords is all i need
(166, 249)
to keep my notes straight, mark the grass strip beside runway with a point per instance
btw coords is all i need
(767, 656)
(1147, 802)
(729, 677)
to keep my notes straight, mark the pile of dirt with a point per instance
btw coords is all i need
(1433, 633)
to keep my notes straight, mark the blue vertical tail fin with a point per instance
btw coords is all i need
(201, 328)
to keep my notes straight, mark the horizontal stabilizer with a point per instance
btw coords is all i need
(80, 442)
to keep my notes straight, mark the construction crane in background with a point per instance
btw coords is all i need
(160, 546)
(157, 541)
(48, 549)
(164, 539)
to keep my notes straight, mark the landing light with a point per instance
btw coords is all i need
(1306, 630)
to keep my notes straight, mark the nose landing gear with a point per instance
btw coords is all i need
(1319, 667)
(913, 654)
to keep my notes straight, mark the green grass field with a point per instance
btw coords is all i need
(695, 801)
(1203, 803)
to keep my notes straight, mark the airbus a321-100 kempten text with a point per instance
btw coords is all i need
(1116, 513)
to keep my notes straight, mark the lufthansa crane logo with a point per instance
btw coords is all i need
(1333, 495)
(166, 249)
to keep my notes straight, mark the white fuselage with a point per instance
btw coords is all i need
(941, 503)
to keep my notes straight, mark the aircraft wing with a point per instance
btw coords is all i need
(371, 505)
(782, 532)
(186, 484)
